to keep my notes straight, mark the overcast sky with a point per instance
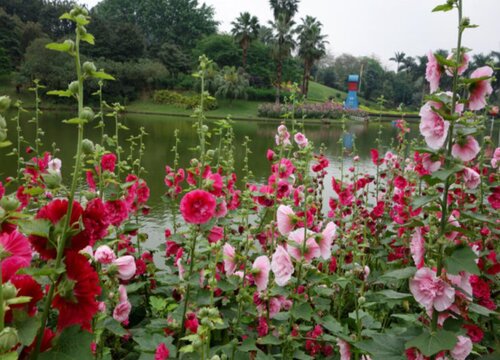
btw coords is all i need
(380, 27)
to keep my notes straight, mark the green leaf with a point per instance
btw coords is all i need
(444, 7)
(269, 340)
(248, 345)
(481, 310)
(300, 355)
(462, 259)
(303, 311)
(5, 143)
(89, 38)
(61, 93)
(63, 47)
(423, 200)
(101, 75)
(43, 271)
(38, 227)
(331, 324)
(444, 174)
(478, 217)
(431, 343)
(391, 294)
(27, 326)
(400, 274)
(10, 356)
(383, 347)
(73, 343)
(75, 121)
(114, 326)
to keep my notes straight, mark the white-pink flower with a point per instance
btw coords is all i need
(260, 269)
(480, 89)
(463, 65)
(431, 291)
(55, 165)
(126, 267)
(462, 349)
(471, 178)
(496, 158)
(432, 72)
(429, 165)
(104, 254)
(432, 126)
(325, 240)
(281, 265)
(284, 218)
(122, 310)
(417, 248)
(301, 140)
(344, 349)
(462, 282)
(229, 259)
(297, 250)
(466, 150)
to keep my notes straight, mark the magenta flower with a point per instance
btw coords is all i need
(281, 265)
(417, 248)
(431, 291)
(466, 149)
(432, 72)
(432, 126)
(198, 207)
(462, 349)
(104, 255)
(471, 178)
(126, 267)
(229, 259)
(162, 352)
(429, 165)
(496, 158)
(284, 217)
(311, 249)
(326, 240)
(260, 268)
(480, 89)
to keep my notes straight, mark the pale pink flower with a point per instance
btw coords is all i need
(104, 255)
(301, 140)
(429, 165)
(463, 65)
(462, 282)
(496, 158)
(181, 268)
(88, 251)
(431, 291)
(55, 165)
(432, 72)
(462, 349)
(126, 267)
(481, 89)
(229, 258)
(281, 265)
(284, 217)
(466, 150)
(122, 293)
(122, 310)
(260, 268)
(471, 178)
(417, 248)
(311, 249)
(283, 136)
(101, 307)
(344, 349)
(432, 126)
(326, 240)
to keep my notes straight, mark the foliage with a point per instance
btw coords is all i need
(231, 83)
(185, 101)
(326, 110)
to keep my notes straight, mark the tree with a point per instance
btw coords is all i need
(311, 47)
(220, 48)
(266, 35)
(10, 38)
(285, 8)
(245, 30)
(231, 83)
(398, 59)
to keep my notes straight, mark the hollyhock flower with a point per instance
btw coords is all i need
(494, 161)
(161, 352)
(296, 250)
(431, 291)
(281, 265)
(474, 332)
(471, 178)
(325, 240)
(429, 165)
(260, 270)
(284, 168)
(104, 255)
(216, 233)
(432, 126)
(432, 72)
(55, 165)
(344, 349)
(191, 323)
(229, 259)
(465, 150)
(494, 198)
(76, 293)
(462, 282)
(463, 65)
(376, 160)
(126, 267)
(27, 286)
(462, 349)
(480, 89)
(283, 136)
(284, 218)
(417, 248)
(198, 206)
(15, 253)
(301, 140)
(122, 310)
(116, 211)
(270, 155)
(262, 327)
(90, 180)
(221, 208)
(108, 162)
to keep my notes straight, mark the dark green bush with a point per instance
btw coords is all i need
(182, 100)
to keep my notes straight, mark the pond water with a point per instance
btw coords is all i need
(160, 140)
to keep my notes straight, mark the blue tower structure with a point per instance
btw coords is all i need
(352, 95)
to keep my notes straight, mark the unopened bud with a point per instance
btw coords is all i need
(88, 147)
(89, 67)
(8, 339)
(73, 87)
(87, 114)
(4, 103)
(9, 203)
(9, 291)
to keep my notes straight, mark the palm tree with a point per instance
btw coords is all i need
(283, 44)
(286, 8)
(398, 58)
(311, 47)
(245, 30)
(266, 35)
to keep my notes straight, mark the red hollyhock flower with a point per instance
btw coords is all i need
(76, 298)
(48, 335)
(26, 286)
(162, 352)
(191, 323)
(54, 212)
(95, 222)
(116, 211)
(108, 162)
(198, 206)
(15, 252)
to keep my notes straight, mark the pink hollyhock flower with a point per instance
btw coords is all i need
(161, 352)
(281, 265)
(465, 150)
(417, 248)
(262, 327)
(198, 206)
(301, 140)
(326, 240)
(431, 291)
(122, 310)
(480, 89)
(221, 208)
(496, 158)
(215, 234)
(16, 253)
(452, 220)
(108, 162)
(283, 136)
(432, 72)
(462, 349)
(55, 165)
(344, 349)
(462, 282)
(296, 250)
(229, 259)
(284, 217)
(126, 267)
(116, 211)
(260, 269)
(104, 255)
(432, 126)
(429, 165)
(463, 65)
(471, 178)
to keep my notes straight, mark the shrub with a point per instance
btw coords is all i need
(185, 101)
(260, 94)
(326, 110)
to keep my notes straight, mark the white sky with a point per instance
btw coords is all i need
(380, 27)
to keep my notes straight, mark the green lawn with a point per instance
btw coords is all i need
(319, 92)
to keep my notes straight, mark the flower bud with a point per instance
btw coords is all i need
(73, 87)
(52, 179)
(361, 300)
(9, 203)
(89, 67)
(3, 122)
(9, 291)
(88, 147)
(71, 44)
(465, 21)
(4, 103)
(8, 339)
(210, 153)
(87, 114)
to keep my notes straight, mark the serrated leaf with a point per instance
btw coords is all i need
(391, 294)
(400, 274)
(27, 326)
(61, 93)
(269, 340)
(73, 343)
(89, 38)
(432, 343)
(444, 174)
(63, 47)
(481, 310)
(462, 259)
(331, 324)
(101, 75)
(303, 311)
(115, 327)
(248, 345)
(75, 121)
(38, 227)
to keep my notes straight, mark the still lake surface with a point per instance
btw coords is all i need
(160, 140)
